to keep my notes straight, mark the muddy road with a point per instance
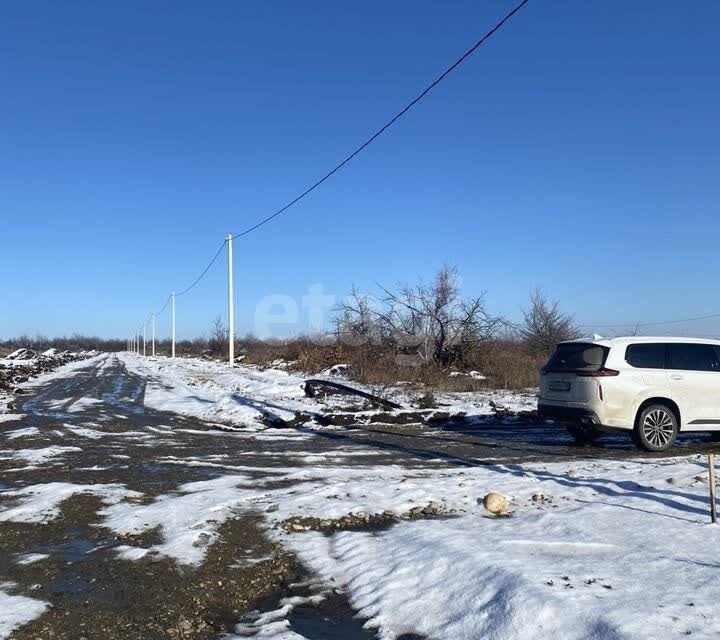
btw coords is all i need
(92, 428)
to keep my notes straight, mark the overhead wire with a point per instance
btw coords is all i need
(389, 123)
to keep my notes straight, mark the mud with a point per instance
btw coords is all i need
(97, 596)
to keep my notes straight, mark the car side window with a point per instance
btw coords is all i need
(646, 355)
(694, 357)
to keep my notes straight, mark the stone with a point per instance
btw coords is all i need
(495, 503)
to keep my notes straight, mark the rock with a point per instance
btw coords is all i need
(495, 503)
(539, 497)
(432, 509)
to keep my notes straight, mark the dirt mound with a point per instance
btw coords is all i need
(23, 365)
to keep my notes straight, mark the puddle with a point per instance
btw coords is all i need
(315, 614)
(80, 558)
(332, 619)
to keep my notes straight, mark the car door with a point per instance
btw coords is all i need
(694, 374)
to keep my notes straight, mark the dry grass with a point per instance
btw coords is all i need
(504, 363)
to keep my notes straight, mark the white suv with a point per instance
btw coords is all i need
(652, 387)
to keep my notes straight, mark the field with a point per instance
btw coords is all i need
(158, 498)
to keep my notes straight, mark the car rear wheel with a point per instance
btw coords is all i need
(656, 429)
(582, 434)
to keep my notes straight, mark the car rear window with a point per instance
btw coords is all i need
(646, 356)
(694, 357)
(577, 356)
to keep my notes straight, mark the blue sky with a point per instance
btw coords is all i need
(578, 151)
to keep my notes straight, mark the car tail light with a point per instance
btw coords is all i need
(600, 373)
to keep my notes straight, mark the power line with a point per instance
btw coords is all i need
(392, 121)
(361, 148)
(650, 324)
(202, 275)
(167, 302)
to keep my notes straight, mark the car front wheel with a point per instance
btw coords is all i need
(656, 429)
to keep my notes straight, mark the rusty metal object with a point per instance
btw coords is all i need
(320, 388)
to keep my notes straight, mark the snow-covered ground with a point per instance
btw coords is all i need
(30, 366)
(601, 549)
(244, 395)
(587, 550)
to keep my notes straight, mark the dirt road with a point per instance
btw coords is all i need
(93, 429)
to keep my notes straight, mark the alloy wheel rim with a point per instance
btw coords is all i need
(658, 428)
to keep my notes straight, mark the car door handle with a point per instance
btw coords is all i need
(676, 377)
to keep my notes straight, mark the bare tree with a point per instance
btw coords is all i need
(218, 341)
(544, 324)
(355, 319)
(443, 324)
(431, 322)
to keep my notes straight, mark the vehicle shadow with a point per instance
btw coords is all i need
(508, 443)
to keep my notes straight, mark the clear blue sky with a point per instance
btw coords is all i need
(578, 151)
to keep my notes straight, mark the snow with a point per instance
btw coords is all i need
(21, 354)
(589, 556)
(25, 432)
(41, 502)
(189, 518)
(603, 549)
(65, 371)
(247, 396)
(217, 392)
(475, 375)
(17, 611)
(30, 558)
(37, 456)
(593, 562)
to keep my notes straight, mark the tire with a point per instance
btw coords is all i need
(656, 428)
(715, 436)
(582, 434)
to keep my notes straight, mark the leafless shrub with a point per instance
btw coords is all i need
(218, 341)
(544, 325)
(426, 324)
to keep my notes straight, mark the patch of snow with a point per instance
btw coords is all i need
(84, 432)
(127, 552)
(41, 502)
(215, 391)
(475, 375)
(188, 519)
(22, 433)
(337, 370)
(38, 456)
(30, 558)
(17, 611)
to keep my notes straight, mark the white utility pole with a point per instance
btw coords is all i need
(144, 323)
(173, 324)
(231, 310)
(153, 335)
